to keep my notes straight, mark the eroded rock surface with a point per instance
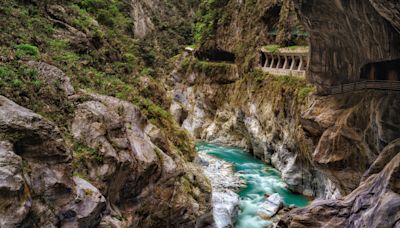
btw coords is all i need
(53, 77)
(148, 185)
(225, 185)
(130, 174)
(342, 34)
(270, 206)
(375, 203)
(390, 10)
(15, 198)
(350, 131)
(36, 174)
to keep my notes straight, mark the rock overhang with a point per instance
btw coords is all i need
(346, 35)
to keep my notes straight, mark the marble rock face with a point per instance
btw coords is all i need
(270, 206)
(225, 184)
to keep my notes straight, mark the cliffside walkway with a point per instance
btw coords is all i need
(362, 85)
(285, 61)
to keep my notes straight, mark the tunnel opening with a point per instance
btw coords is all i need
(216, 55)
(383, 70)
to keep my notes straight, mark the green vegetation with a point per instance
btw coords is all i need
(272, 47)
(296, 47)
(212, 67)
(108, 12)
(295, 86)
(19, 77)
(259, 75)
(193, 46)
(26, 50)
(207, 19)
(306, 91)
(92, 41)
(216, 71)
(100, 56)
(84, 153)
(275, 47)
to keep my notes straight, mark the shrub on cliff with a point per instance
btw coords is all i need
(26, 50)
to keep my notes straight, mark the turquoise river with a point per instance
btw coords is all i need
(260, 179)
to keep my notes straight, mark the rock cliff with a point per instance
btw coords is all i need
(255, 111)
(350, 132)
(38, 187)
(144, 178)
(89, 143)
(344, 36)
(355, 135)
(227, 30)
(110, 168)
(375, 203)
(339, 147)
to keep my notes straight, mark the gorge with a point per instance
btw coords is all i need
(150, 113)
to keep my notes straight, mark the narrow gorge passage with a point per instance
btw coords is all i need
(261, 181)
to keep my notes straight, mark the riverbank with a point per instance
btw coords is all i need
(225, 184)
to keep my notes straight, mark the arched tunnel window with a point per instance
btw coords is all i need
(385, 70)
(263, 59)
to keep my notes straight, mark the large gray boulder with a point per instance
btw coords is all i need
(14, 195)
(36, 179)
(53, 77)
(89, 204)
(144, 178)
(270, 206)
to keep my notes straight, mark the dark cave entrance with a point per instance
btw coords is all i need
(384, 70)
(216, 55)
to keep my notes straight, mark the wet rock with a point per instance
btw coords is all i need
(270, 206)
(225, 184)
(235, 116)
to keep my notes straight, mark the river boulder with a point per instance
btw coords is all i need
(271, 206)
